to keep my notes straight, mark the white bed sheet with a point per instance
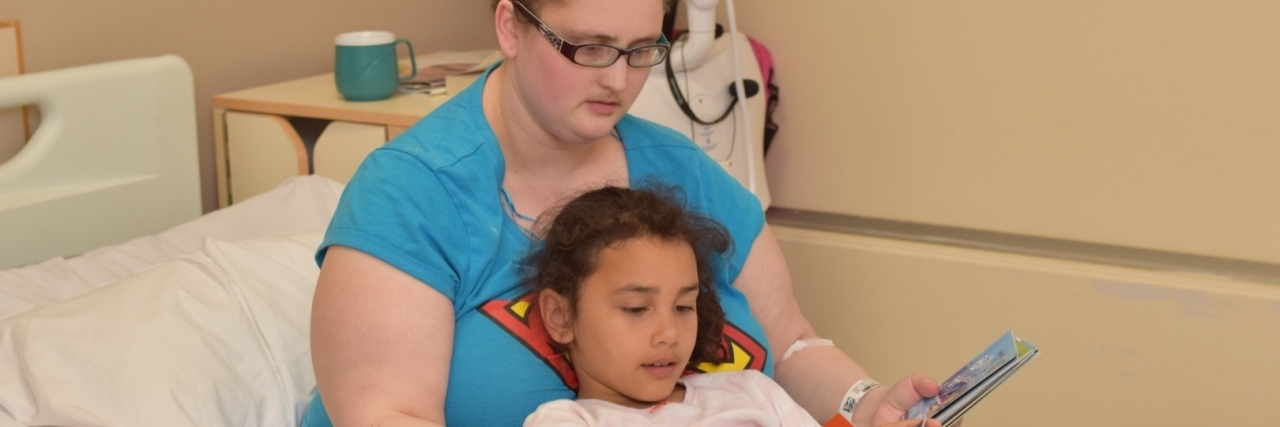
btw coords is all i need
(205, 324)
(217, 337)
(299, 204)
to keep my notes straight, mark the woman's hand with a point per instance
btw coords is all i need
(885, 406)
(912, 423)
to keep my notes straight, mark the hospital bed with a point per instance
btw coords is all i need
(120, 304)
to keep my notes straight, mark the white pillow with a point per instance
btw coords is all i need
(214, 338)
(298, 204)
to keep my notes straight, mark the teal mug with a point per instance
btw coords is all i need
(365, 65)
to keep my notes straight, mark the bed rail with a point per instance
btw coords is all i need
(113, 158)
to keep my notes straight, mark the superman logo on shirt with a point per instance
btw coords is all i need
(519, 319)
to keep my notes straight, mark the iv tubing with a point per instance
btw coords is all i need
(746, 118)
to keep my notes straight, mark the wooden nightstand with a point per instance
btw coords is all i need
(267, 134)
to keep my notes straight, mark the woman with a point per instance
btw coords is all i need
(419, 317)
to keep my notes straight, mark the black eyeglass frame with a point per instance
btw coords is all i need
(570, 50)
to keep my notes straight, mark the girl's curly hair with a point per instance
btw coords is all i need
(582, 228)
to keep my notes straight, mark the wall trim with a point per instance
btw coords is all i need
(1123, 256)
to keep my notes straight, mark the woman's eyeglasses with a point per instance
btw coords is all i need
(599, 55)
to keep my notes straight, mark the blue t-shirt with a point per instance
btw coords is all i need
(430, 204)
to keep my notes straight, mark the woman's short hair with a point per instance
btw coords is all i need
(582, 228)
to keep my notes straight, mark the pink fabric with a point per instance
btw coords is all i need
(765, 60)
(738, 398)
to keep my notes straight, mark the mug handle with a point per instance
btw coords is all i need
(413, 62)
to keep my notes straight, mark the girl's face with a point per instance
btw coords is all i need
(572, 102)
(636, 323)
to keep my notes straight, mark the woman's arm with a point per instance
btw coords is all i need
(817, 377)
(381, 343)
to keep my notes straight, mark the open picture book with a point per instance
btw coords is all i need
(975, 380)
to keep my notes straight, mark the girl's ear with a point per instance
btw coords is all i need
(557, 316)
(506, 25)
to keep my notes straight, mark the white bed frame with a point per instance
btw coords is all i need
(114, 158)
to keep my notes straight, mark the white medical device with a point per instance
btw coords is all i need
(698, 99)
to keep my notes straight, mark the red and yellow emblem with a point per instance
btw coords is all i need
(519, 319)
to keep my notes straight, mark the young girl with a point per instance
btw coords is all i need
(624, 282)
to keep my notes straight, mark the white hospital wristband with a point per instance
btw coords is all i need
(854, 395)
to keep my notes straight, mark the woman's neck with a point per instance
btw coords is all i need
(527, 147)
(540, 167)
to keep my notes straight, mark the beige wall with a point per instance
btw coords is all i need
(234, 44)
(13, 120)
(1143, 123)
(1119, 346)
